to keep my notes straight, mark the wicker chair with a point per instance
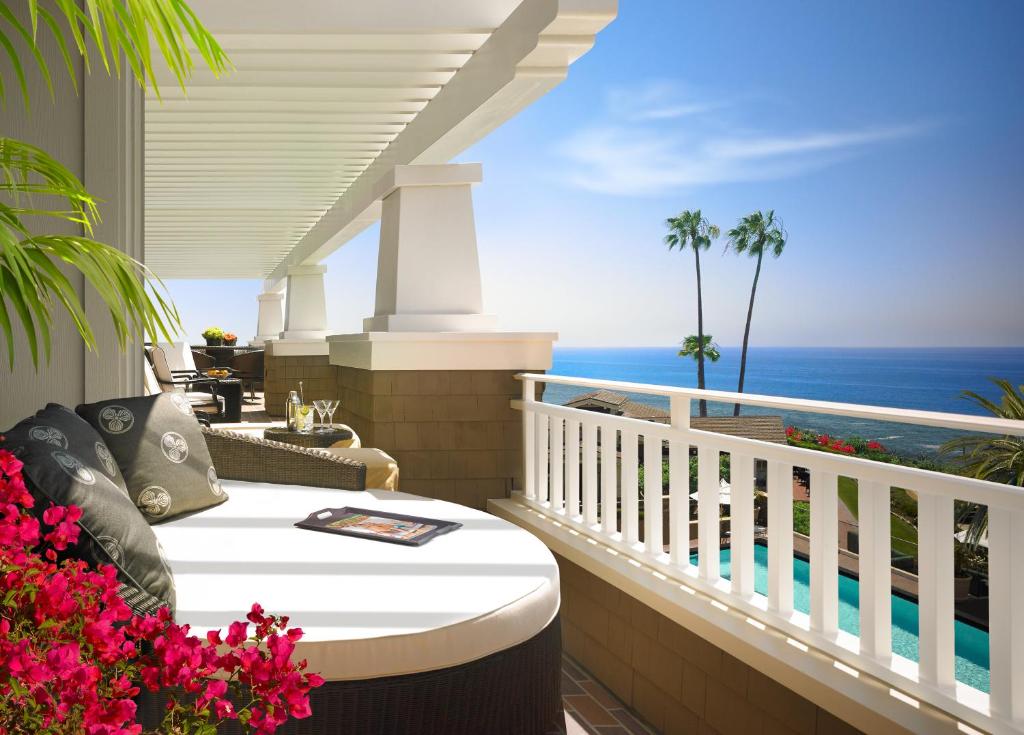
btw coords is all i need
(238, 456)
(203, 401)
(249, 367)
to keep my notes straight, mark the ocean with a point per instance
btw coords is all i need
(930, 379)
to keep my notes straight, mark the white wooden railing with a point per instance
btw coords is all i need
(570, 453)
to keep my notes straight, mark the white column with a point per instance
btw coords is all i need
(428, 272)
(270, 322)
(305, 311)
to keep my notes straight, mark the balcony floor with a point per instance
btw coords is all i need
(591, 709)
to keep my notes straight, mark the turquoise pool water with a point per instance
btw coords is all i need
(971, 643)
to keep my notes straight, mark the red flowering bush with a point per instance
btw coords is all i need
(73, 655)
(854, 445)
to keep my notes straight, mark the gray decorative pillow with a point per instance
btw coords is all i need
(67, 463)
(161, 450)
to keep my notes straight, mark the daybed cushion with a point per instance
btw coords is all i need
(67, 463)
(161, 450)
(368, 609)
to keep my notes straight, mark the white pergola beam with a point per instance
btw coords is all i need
(514, 67)
(279, 162)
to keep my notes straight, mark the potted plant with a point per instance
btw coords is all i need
(230, 338)
(214, 336)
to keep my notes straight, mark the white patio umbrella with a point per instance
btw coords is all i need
(724, 493)
(961, 536)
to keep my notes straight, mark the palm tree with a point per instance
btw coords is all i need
(119, 32)
(993, 458)
(754, 235)
(688, 348)
(689, 230)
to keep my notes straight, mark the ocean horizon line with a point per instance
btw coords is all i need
(799, 347)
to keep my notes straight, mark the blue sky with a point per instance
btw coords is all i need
(886, 135)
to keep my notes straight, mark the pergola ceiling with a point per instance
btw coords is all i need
(240, 169)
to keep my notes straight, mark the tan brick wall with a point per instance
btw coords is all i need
(282, 374)
(674, 679)
(453, 433)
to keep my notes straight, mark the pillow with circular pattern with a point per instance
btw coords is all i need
(68, 463)
(162, 453)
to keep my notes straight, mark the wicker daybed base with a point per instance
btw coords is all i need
(512, 692)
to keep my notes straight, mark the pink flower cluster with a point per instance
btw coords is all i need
(73, 655)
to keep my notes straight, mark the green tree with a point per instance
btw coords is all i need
(689, 348)
(131, 33)
(691, 231)
(991, 457)
(754, 235)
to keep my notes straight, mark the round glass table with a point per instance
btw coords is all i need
(316, 439)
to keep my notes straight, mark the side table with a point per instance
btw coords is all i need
(313, 439)
(230, 389)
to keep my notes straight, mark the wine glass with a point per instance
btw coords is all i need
(320, 405)
(332, 406)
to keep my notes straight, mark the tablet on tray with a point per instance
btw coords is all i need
(378, 525)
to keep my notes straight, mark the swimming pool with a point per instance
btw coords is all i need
(971, 644)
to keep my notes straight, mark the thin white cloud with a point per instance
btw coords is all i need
(656, 100)
(646, 149)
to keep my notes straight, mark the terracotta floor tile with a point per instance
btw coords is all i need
(605, 698)
(571, 687)
(573, 670)
(631, 723)
(591, 710)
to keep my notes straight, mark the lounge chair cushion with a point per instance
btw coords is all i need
(68, 463)
(161, 450)
(368, 609)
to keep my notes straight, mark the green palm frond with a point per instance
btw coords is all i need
(690, 231)
(688, 348)
(32, 183)
(140, 31)
(993, 458)
(31, 281)
(756, 234)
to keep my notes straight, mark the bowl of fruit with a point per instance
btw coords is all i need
(218, 373)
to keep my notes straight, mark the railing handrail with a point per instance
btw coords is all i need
(939, 419)
(581, 467)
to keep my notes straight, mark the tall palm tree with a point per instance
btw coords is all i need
(130, 33)
(754, 235)
(691, 231)
(993, 458)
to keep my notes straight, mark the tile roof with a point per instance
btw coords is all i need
(762, 428)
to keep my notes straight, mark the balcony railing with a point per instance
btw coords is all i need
(583, 467)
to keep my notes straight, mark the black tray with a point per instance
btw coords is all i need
(318, 521)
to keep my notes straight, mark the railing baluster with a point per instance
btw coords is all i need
(935, 590)
(679, 485)
(630, 487)
(875, 544)
(541, 442)
(589, 472)
(572, 461)
(824, 552)
(1006, 601)
(609, 480)
(741, 528)
(709, 535)
(654, 531)
(679, 503)
(557, 435)
(780, 538)
(529, 448)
